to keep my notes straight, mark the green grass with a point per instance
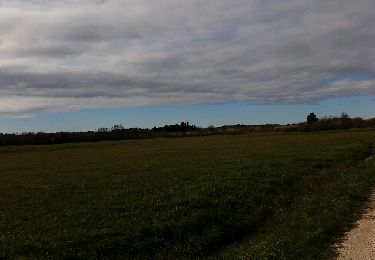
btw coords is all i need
(257, 196)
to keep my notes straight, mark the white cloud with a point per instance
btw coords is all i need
(59, 55)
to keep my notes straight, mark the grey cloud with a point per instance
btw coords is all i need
(75, 54)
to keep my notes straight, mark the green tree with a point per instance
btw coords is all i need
(312, 118)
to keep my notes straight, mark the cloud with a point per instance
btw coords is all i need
(64, 55)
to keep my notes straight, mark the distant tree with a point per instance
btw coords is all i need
(344, 115)
(358, 122)
(312, 118)
(182, 127)
(346, 121)
(117, 128)
(103, 130)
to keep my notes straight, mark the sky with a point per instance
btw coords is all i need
(80, 65)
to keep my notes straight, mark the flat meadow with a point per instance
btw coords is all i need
(250, 196)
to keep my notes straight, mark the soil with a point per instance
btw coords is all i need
(359, 243)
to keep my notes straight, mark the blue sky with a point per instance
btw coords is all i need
(202, 115)
(356, 76)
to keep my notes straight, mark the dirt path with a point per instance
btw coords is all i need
(360, 242)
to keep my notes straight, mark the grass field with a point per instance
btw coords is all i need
(256, 196)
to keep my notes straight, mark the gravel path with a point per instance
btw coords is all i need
(360, 241)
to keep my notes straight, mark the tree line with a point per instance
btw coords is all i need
(116, 132)
(341, 122)
(184, 129)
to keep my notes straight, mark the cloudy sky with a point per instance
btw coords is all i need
(68, 56)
